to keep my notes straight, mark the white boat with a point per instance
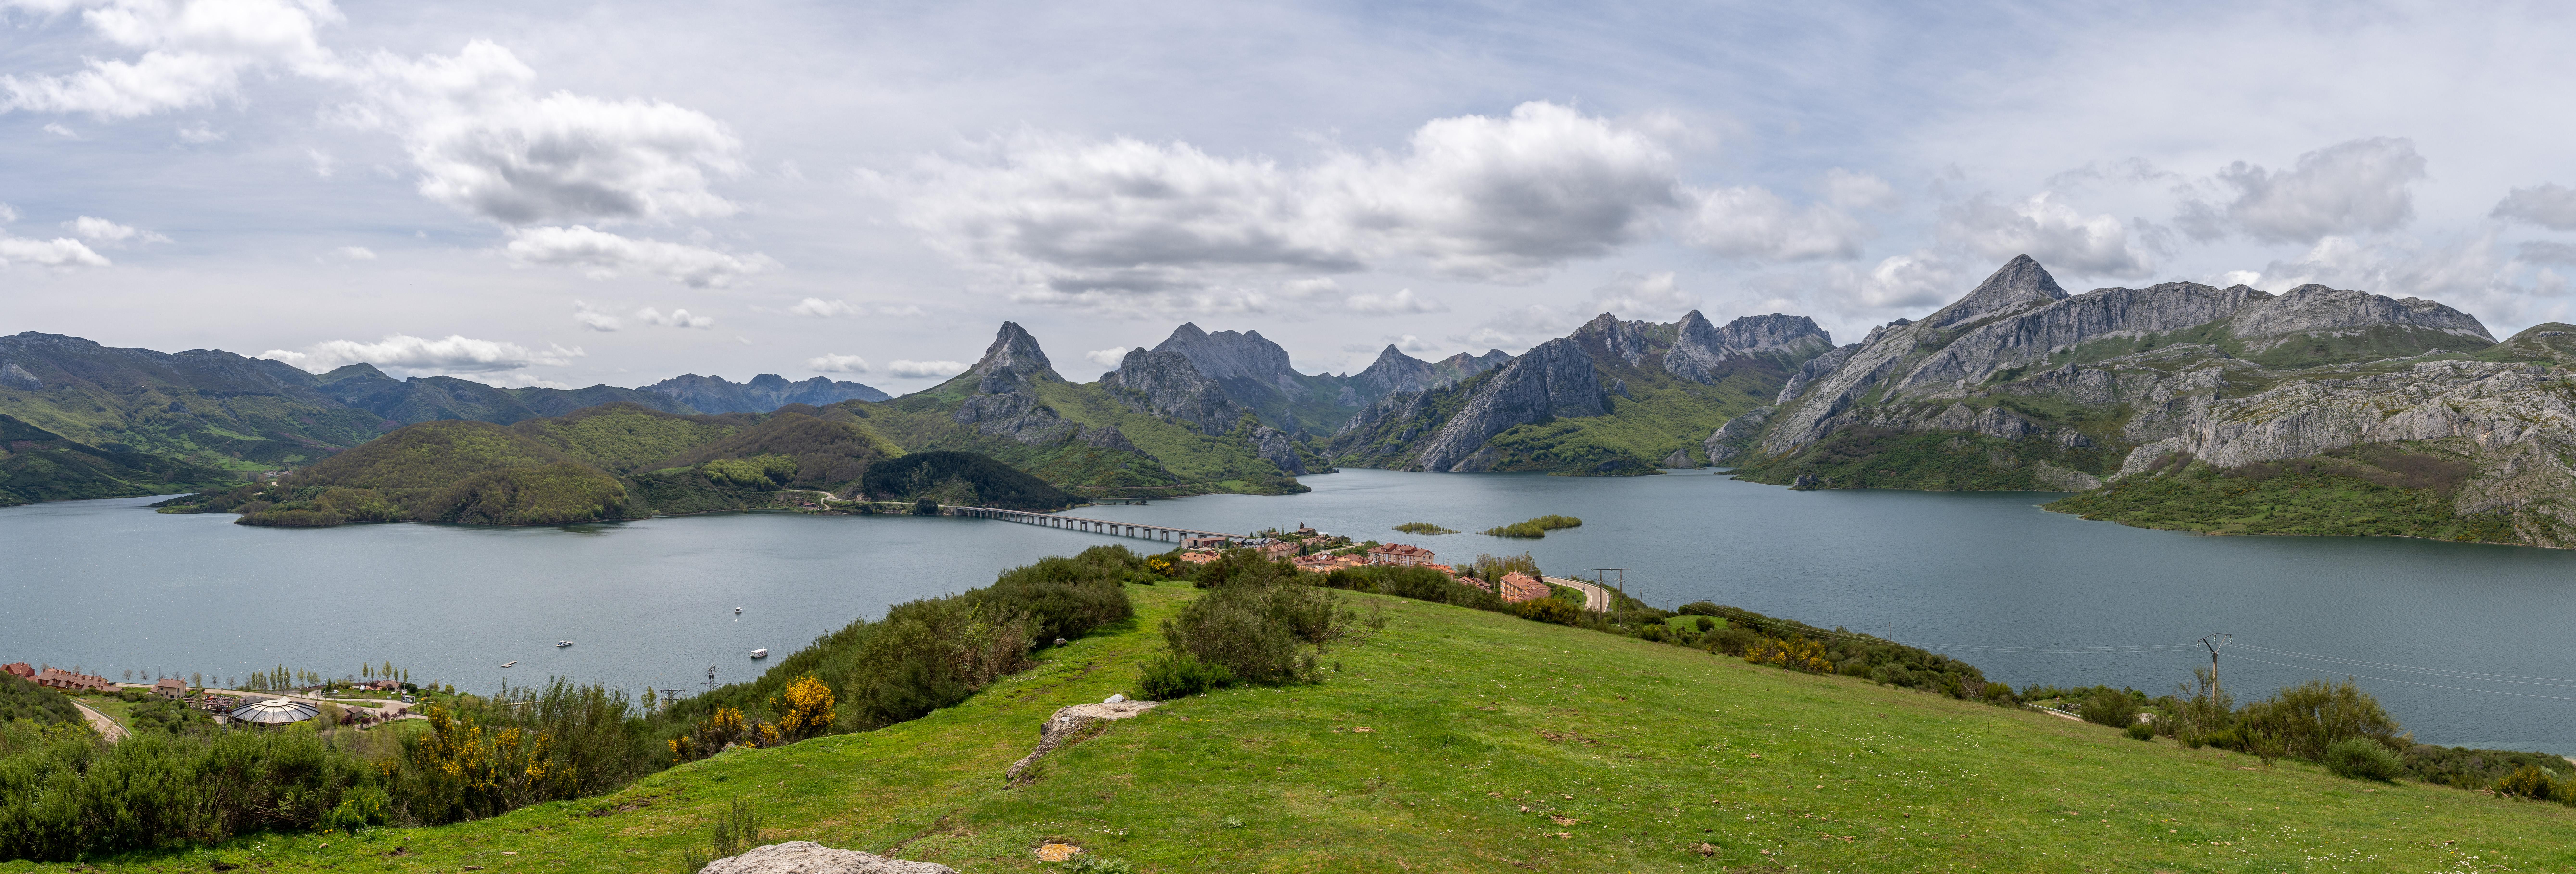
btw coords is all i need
(562, 643)
(760, 653)
(509, 663)
(737, 611)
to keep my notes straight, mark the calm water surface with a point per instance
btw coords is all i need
(1986, 577)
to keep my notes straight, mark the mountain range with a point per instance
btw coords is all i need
(2168, 406)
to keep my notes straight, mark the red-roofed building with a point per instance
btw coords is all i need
(21, 670)
(171, 687)
(1399, 554)
(1519, 587)
(1472, 581)
(71, 682)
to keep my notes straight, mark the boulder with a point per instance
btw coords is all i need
(808, 857)
(1070, 725)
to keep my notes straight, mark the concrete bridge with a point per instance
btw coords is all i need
(1163, 533)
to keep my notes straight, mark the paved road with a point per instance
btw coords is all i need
(107, 728)
(1595, 598)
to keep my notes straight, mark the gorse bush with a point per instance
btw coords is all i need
(2305, 719)
(1797, 654)
(2362, 758)
(1180, 675)
(1549, 610)
(2117, 708)
(2141, 731)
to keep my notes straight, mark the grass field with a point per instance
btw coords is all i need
(1457, 740)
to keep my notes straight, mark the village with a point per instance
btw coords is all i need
(1318, 552)
(388, 699)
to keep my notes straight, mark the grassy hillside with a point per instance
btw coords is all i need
(1660, 414)
(621, 437)
(453, 471)
(961, 478)
(1464, 740)
(1176, 460)
(830, 454)
(1879, 458)
(37, 465)
(2371, 490)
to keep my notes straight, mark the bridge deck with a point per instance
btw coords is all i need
(1139, 530)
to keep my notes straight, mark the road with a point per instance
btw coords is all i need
(107, 728)
(1595, 598)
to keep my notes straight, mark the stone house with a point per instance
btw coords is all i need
(171, 687)
(1518, 587)
(1399, 554)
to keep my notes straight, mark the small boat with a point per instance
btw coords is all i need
(760, 653)
(509, 663)
(737, 611)
(562, 643)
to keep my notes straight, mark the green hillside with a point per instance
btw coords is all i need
(831, 449)
(961, 478)
(2373, 490)
(620, 437)
(39, 465)
(473, 473)
(1462, 740)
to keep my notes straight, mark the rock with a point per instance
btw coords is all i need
(1395, 372)
(808, 857)
(1070, 725)
(1274, 446)
(2064, 479)
(1728, 442)
(1114, 698)
(1615, 340)
(17, 377)
(1166, 383)
(2019, 284)
(1699, 347)
(766, 392)
(1679, 459)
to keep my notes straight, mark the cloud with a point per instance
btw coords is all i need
(200, 134)
(1915, 279)
(1853, 190)
(417, 355)
(1632, 295)
(1109, 357)
(99, 230)
(8, 213)
(323, 163)
(594, 319)
(486, 142)
(603, 255)
(837, 364)
(2346, 188)
(918, 369)
(677, 318)
(1103, 222)
(2549, 205)
(61, 131)
(823, 309)
(1402, 301)
(61, 253)
(1751, 222)
(193, 53)
(1412, 345)
(2042, 227)
(355, 253)
(2546, 252)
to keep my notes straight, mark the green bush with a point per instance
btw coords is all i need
(63, 796)
(1535, 528)
(23, 699)
(2529, 781)
(1269, 633)
(2307, 718)
(2141, 731)
(2363, 759)
(1180, 675)
(1549, 610)
(2116, 708)
(1705, 624)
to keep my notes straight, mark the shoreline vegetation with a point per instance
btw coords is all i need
(1240, 621)
(1424, 528)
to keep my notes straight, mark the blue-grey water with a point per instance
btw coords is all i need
(2027, 595)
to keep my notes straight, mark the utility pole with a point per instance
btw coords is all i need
(711, 679)
(2213, 642)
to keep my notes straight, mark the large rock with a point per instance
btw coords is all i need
(1553, 379)
(1165, 383)
(808, 857)
(1699, 347)
(1395, 372)
(1069, 725)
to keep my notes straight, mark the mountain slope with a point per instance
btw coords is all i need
(38, 465)
(1615, 397)
(766, 392)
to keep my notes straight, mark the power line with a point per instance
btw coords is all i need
(2415, 683)
(2461, 675)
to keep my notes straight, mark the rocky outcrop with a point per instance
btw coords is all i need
(1394, 372)
(1553, 379)
(2083, 318)
(808, 857)
(1003, 399)
(2018, 285)
(17, 377)
(2310, 308)
(1730, 440)
(1228, 354)
(1071, 725)
(1166, 383)
(1620, 343)
(1275, 447)
(1699, 346)
(1815, 367)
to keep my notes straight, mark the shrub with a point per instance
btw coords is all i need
(926, 507)
(736, 830)
(1535, 528)
(2112, 707)
(1180, 675)
(2142, 731)
(2307, 718)
(1549, 610)
(2363, 759)
(1797, 654)
(63, 796)
(1705, 624)
(1269, 634)
(2528, 781)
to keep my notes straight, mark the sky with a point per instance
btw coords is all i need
(577, 193)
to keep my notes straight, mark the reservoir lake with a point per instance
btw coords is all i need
(2461, 642)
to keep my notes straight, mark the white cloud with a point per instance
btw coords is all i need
(2546, 252)
(323, 163)
(194, 52)
(824, 309)
(1655, 296)
(903, 310)
(1915, 279)
(2346, 188)
(61, 131)
(60, 252)
(1751, 222)
(1088, 222)
(99, 230)
(200, 134)
(602, 255)
(2548, 205)
(677, 318)
(918, 369)
(837, 364)
(355, 253)
(2045, 228)
(1109, 357)
(418, 355)
(1852, 190)
(594, 319)
(8, 213)
(488, 143)
(1411, 345)
(1403, 301)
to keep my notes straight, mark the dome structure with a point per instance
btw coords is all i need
(275, 711)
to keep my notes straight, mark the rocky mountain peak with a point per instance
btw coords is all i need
(2020, 282)
(1699, 346)
(1013, 358)
(2314, 307)
(1621, 340)
(1228, 354)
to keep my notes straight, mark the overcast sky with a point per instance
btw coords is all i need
(567, 194)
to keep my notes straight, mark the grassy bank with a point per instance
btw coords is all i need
(1627, 755)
